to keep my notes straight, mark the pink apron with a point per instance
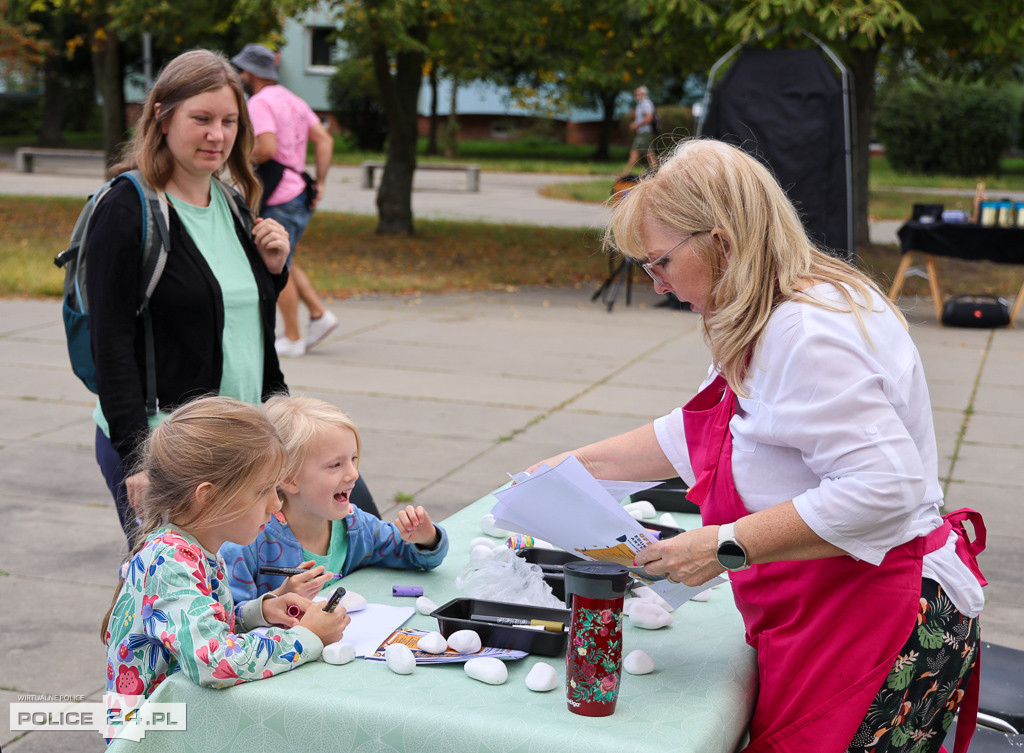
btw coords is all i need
(826, 631)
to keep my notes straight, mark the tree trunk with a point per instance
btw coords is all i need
(400, 95)
(106, 66)
(52, 126)
(432, 137)
(862, 63)
(451, 130)
(604, 132)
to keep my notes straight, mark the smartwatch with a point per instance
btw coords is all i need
(730, 554)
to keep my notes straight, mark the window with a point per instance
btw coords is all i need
(323, 50)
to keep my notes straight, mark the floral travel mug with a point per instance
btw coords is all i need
(593, 659)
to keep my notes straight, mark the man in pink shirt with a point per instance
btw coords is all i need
(283, 125)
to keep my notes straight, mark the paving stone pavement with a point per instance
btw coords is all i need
(450, 393)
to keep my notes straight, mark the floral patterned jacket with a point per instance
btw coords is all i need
(174, 612)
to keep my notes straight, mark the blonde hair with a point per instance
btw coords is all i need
(217, 440)
(706, 185)
(300, 421)
(188, 75)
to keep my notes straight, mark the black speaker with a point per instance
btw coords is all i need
(983, 311)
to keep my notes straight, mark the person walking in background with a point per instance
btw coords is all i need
(643, 130)
(284, 125)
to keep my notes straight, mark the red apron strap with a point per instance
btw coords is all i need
(967, 717)
(967, 549)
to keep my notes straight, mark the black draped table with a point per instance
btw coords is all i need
(1003, 245)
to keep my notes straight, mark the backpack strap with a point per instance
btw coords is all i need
(237, 204)
(156, 241)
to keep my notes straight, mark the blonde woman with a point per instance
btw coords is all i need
(213, 310)
(811, 451)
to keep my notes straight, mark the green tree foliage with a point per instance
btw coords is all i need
(352, 92)
(988, 33)
(934, 126)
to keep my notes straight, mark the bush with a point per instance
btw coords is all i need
(931, 126)
(19, 113)
(352, 93)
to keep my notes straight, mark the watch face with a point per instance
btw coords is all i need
(731, 556)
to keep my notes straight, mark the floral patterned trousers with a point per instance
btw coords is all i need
(919, 699)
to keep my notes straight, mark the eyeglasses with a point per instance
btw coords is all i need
(653, 267)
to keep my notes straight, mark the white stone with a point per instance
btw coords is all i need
(481, 553)
(339, 653)
(353, 602)
(638, 663)
(487, 669)
(488, 527)
(483, 541)
(666, 519)
(542, 678)
(400, 659)
(646, 593)
(465, 641)
(704, 595)
(425, 605)
(432, 643)
(641, 509)
(649, 616)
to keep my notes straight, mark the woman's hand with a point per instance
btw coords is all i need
(135, 487)
(276, 609)
(272, 242)
(307, 584)
(690, 557)
(550, 462)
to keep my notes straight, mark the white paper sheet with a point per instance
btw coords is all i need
(370, 627)
(570, 508)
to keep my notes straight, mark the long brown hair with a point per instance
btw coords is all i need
(188, 75)
(217, 440)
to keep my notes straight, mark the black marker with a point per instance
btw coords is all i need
(332, 603)
(272, 570)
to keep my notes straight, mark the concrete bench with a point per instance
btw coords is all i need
(25, 155)
(472, 173)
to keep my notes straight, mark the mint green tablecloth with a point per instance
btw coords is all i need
(699, 698)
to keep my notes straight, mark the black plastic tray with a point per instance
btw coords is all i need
(458, 614)
(669, 496)
(551, 561)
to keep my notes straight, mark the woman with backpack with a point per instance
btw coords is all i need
(212, 311)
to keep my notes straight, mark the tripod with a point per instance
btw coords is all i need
(619, 274)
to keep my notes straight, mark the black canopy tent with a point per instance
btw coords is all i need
(790, 110)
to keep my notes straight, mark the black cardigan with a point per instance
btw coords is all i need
(187, 314)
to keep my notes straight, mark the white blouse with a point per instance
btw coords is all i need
(841, 425)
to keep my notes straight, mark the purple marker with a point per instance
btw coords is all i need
(293, 611)
(406, 590)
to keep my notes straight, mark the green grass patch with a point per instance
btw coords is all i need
(345, 257)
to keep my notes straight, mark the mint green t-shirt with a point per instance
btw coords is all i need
(334, 560)
(212, 229)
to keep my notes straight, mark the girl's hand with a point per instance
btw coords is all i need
(272, 242)
(415, 527)
(276, 609)
(328, 626)
(688, 558)
(307, 584)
